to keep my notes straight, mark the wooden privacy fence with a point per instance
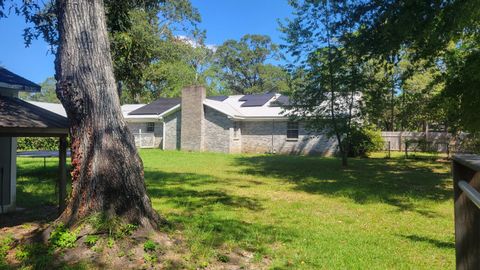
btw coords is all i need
(466, 178)
(411, 141)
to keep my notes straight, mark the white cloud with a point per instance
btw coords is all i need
(195, 44)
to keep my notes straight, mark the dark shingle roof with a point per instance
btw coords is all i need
(22, 117)
(11, 80)
(159, 106)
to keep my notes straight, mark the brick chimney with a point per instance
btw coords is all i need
(193, 118)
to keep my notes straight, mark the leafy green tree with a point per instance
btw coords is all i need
(462, 83)
(141, 33)
(47, 93)
(400, 96)
(334, 79)
(149, 48)
(243, 68)
(444, 33)
(380, 97)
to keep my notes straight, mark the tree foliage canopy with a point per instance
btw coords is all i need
(333, 74)
(242, 66)
(441, 34)
(141, 36)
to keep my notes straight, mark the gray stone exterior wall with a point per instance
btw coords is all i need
(197, 127)
(173, 124)
(271, 136)
(255, 137)
(217, 131)
(193, 118)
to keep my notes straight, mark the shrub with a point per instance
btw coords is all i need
(149, 245)
(61, 237)
(91, 240)
(150, 258)
(364, 140)
(45, 143)
(35, 256)
(5, 245)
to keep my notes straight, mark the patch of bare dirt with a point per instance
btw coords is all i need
(108, 253)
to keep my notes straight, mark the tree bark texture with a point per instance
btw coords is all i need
(107, 174)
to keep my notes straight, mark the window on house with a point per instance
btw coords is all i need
(236, 130)
(292, 130)
(150, 127)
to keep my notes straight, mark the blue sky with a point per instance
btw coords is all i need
(223, 19)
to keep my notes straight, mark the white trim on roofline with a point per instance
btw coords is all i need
(143, 118)
(169, 111)
(260, 118)
(160, 117)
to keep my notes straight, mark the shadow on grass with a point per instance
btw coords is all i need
(36, 194)
(202, 218)
(209, 232)
(172, 188)
(435, 242)
(395, 181)
(37, 185)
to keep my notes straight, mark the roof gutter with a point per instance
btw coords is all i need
(169, 111)
(19, 87)
(258, 118)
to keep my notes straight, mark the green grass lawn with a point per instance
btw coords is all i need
(298, 212)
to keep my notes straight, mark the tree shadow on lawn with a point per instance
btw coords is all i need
(172, 188)
(212, 231)
(199, 219)
(394, 181)
(435, 242)
(40, 205)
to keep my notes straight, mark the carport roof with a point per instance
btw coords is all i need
(13, 81)
(22, 119)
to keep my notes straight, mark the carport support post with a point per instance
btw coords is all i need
(62, 159)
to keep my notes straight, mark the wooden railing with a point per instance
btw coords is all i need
(466, 178)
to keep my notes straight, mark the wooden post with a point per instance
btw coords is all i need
(389, 150)
(406, 149)
(62, 159)
(467, 214)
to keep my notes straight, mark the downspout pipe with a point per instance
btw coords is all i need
(163, 135)
(163, 130)
(272, 150)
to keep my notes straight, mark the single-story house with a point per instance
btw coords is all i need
(226, 124)
(22, 119)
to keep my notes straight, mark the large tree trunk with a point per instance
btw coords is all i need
(107, 174)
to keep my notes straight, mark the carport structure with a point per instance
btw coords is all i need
(22, 119)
